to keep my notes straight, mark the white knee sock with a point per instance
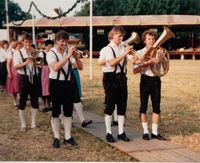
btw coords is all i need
(79, 109)
(33, 117)
(61, 116)
(108, 120)
(120, 124)
(55, 124)
(67, 121)
(145, 127)
(115, 115)
(22, 118)
(155, 129)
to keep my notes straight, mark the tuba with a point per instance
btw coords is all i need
(156, 51)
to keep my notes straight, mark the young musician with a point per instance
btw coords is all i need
(150, 85)
(102, 62)
(25, 66)
(61, 87)
(115, 81)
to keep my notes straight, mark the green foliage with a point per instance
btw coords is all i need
(141, 7)
(14, 10)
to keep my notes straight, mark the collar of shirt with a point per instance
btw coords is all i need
(24, 53)
(58, 53)
(113, 45)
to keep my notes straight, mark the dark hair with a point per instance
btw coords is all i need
(114, 30)
(33, 46)
(12, 40)
(4, 42)
(47, 42)
(148, 32)
(61, 35)
(26, 36)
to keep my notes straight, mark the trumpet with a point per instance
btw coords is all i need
(83, 54)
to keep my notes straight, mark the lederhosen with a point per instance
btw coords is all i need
(28, 88)
(150, 86)
(115, 85)
(62, 92)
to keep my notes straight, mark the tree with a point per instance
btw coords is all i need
(14, 11)
(141, 7)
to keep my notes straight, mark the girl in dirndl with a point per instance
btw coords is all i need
(45, 81)
(12, 82)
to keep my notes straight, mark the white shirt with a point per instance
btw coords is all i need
(147, 71)
(102, 57)
(52, 58)
(10, 54)
(17, 59)
(107, 54)
(3, 54)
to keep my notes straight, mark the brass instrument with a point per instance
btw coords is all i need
(156, 51)
(38, 61)
(83, 54)
(134, 38)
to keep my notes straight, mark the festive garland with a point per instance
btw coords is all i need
(46, 16)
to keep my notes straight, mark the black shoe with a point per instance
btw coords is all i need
(110, 138)
(70, 141)
(50, 109)
(114, 123)
(45, 110)
(86, 122)
(123, 137)
(146, 137)
(56, 143)
(159, 137)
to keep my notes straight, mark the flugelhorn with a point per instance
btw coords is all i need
(37, 60)
(134, 38)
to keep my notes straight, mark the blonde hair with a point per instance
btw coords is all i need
(114, 30)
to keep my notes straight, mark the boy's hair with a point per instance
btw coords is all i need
(26, 36)
(115, 30)
(148, 32)
(13, 40)
(61, 35)
(47, 42)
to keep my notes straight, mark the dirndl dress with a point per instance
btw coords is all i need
(12, 84)
(78, 80)
(45, 80)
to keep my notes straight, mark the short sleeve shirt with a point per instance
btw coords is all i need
(107, 54)
(52, 58)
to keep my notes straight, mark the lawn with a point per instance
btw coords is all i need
(180, 118)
